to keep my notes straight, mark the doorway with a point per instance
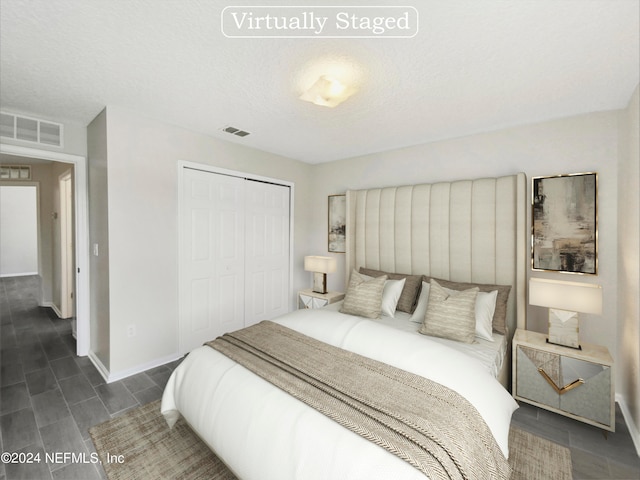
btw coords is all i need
(19, 234)
(81, 234)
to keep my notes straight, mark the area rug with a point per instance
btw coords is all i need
(139, 445)
(532, 457)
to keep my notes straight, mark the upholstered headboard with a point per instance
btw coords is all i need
(464, 231)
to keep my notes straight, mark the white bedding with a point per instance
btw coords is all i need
(490, 354)
(262, 433)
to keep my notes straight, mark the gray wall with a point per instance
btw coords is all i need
(133, 173)
(628, 319)
(578, 144)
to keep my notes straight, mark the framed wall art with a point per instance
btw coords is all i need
(337, 223)
(564, 230)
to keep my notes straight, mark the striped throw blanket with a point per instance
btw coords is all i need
(426, 424)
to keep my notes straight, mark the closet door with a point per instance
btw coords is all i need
(212, 265)
(266, 251)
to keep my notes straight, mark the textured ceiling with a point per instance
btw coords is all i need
(474, 66)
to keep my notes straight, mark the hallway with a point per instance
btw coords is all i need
(49, 397)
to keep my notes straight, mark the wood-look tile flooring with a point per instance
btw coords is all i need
(594, 455)
(49, 398)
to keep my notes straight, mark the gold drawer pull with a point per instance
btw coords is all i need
(566, 388)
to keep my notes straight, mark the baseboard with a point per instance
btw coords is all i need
(53, 307)
(633, 428)
(110, 377)
(102, 370)
(25, 274)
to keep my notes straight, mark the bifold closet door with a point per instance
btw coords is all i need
(234, 268)
(212, 270)
(266, 251)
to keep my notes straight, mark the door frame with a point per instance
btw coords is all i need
(81, 199)
(66, 234)
(182, 166)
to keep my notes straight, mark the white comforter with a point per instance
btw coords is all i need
(262, 433)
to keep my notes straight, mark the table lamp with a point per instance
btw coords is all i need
(565, 300)
(320, 266)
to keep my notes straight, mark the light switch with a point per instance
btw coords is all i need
(95, 249)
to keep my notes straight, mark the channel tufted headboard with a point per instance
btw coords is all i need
(464, 231)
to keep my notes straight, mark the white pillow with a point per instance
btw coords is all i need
(390, 295)
(421, 308)
(484, 310)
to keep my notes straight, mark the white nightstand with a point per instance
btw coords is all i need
(310, 299)
(576, 383)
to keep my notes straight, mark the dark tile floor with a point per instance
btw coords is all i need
(49, 398)
(594, 456)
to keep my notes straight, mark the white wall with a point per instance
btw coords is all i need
(19, 233)
(99, 234)
(629, 264)
(140, 161)
(578, 144)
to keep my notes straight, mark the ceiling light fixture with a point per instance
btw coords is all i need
(327, 92)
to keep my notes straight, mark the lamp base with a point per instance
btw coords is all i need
(563, 328)
(319, 282)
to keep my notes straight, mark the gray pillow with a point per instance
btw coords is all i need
(409, 296)
(450, 316)
(364, 297)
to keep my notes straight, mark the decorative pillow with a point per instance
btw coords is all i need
(421, 306)
(450, 316)
(363, 297)
(409, 296)
(390, 295)
(500, 314)
(484, 309)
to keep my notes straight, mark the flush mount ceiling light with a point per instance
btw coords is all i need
(328, 91)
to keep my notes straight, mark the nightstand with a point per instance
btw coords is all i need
(310, 299)
(576, 383)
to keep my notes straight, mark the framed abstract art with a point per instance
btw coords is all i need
(337, 223)
(564, 230)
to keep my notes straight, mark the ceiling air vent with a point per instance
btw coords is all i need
(235, 131)
(29, 129)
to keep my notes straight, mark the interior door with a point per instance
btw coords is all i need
(212, 270)
(266, 251)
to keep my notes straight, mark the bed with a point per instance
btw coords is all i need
(449, 235)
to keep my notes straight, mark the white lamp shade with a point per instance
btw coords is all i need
(571, 296)
(319, 264)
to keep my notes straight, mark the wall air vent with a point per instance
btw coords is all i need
(29, 129)
(235, 131)
(15, 172)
